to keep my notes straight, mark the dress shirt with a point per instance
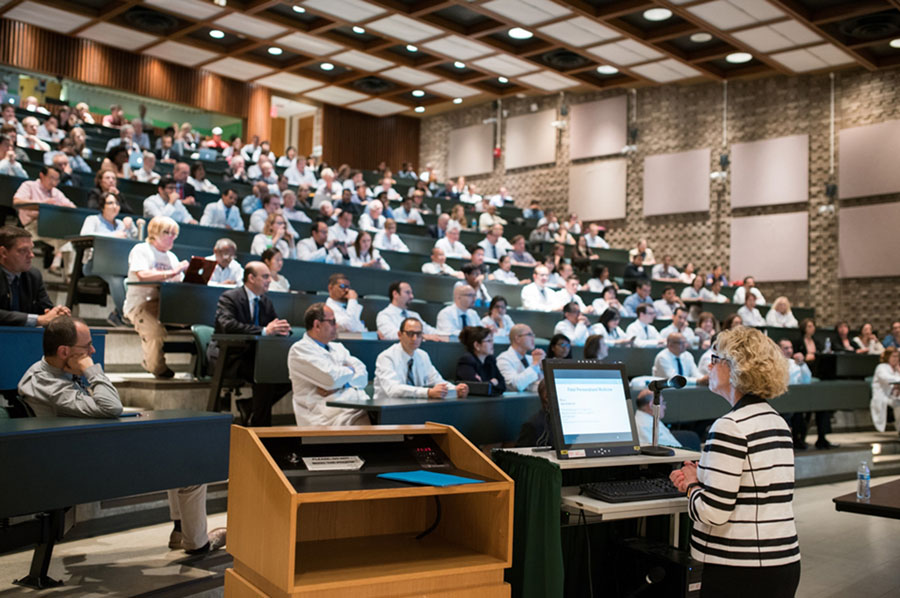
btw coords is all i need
(708, 295)
(521, 258)
(538, 299)
(435, 268)
(54, 137)
(493, 252)
(664, 309)
(31, 142)
(665, 365)
(338, 233)
(449, 320)
(874, 347)
(648, 255)
(52, 392)
(234, 272)
(751, 318)
(95, 224)
(689, 335)
(282, 285)
(347, 315)
(311, 367)
(632, 301)
(392, 243)
(576, 333)
(358, 261)
(145, 176)
(518, 376)
(506, 276)
(366, 222)
(389, 319)
(467, 197)
(400, 215)
(308, 251)
(487, 220)
(686, 278)
(258, 223)
(691, 294)
(391, 193)
(117, 141)
(601, 305)
(34, 192)
(596, 242)
(155, 205)
(8, 168)
(297, 176)
(204, 186)
(890, 341)
(217, 215)
(295, 215)
(453, 249)
(392, 374)
(617, 334)
(798, 374)
(778, 320)
(644, 423)
(262, 242)
(482, 297)
(595, 285)
(740, 294)
(500, 201)
(562, 297)
(661, 271)
(501, 333)
(645, 335)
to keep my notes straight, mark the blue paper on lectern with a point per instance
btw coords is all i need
(428, 478)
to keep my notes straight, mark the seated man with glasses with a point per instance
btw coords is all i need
(405, 370)
(344, 302)
(521, 363)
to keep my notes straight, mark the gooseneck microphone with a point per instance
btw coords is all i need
(662, 384)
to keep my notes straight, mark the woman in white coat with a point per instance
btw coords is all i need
(886, 389)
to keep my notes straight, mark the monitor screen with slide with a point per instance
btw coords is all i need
(590, 409)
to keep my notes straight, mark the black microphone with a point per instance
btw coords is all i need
(673, 382)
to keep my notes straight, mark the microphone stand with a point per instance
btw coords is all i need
(655, 450)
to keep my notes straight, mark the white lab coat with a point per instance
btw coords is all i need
(884, 376)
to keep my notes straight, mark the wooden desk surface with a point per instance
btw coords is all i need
(680, 456)
(884, 502)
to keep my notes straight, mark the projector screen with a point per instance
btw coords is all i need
(598, 128)
(530, 139)
(470, 151)
(867, 160)
(868, 242)
(597, 189)
(677, 183)
(770, 248)
(770, 172)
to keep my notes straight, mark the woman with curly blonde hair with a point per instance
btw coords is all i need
(740, 495)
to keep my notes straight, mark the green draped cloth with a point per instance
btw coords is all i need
(537, 567)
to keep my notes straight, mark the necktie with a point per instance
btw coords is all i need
(405, 313)
(680, 367)
(14, 290)
(494, 251)
(524, 361)
(79, 381)
(543, 293)
(256, 311)
(410, 378)
(646, 332)
(180, 188)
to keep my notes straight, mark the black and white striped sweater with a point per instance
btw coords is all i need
(742, 512)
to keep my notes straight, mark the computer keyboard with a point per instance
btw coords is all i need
(631, 490)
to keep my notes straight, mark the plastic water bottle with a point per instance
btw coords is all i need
(474, 223)
(827, 346)
(438, 211)
(863, 476)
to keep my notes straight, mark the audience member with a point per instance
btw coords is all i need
(473, 276)
(152, 261)
(541, 233)
(344, 302)
(494, 245)
(363, 255)
(497, 320)
(645, 252)
(635, 272)
(168, 153)
(29, 138)
(274, 261)
(458, 215)
(41, 191)
(520, 364)
(642, 329)
(323, 370)
(713, 294)
(595, 348)
(533, 211)
(438, 264)
(668, 303)
(504, 272)
(407, 213)
(840, 340)
(450, 243)
(643, 421)
(594, 238)
(115, 118)
(125, 139)
(387, 188)
(537, 296)
(228, 272)
(502, 198)
(562, 235)
(274, 234)
(489, 218)
(886, 390)
(390, 318)
(867, 342)
(104, 182)
(574, 324)
(675, 359)
(609, 299)
(271, 204)
(569, 294)
(608, 328)
(470, 195)
(478, 363)
(373, 220)
(249, 149)
(167, 202)
(146, 174)
(560, 347)
(641, 296)
(798, 370)
(780, 315)
(388, 239)
(50, 131)
(518, 254)
(236, 172)
(893, 338)
(666, 271)
(453, 318)
(687, 275)
(750, 315)
(9, 164)
(439, 230)
(680, 325)
(741, 291)
(197, 179)
(289, 207)
(317, 247)
(23, 297)
(694, 292)
(809, 348)
(224, 213)
(717, 274)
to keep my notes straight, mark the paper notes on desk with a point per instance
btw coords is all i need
(340, 463)
(428, 478)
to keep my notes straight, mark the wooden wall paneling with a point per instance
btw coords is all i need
(363, 141)
(258, 115)
(278, 135)
(305, 127)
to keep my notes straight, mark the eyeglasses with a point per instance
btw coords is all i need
(331, 321)
(86, 346)
(714, 359)
(412, 333)
(344, 286)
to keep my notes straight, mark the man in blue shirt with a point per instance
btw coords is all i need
(641, 295)
(893, 339)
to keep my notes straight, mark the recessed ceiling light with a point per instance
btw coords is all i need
(701, 38)
(358, 30)
(607, 69)
(274, 51)
(420, 109)
(457, 100)
(326, 66)
(418, 93)
(519, 33)
(739, 57)
(411, 48)
(299, 9)
(216, 34)
(459, 65)
(895, 43)
(657, 14)
(502, 79)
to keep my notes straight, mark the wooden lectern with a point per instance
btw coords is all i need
(296, 533)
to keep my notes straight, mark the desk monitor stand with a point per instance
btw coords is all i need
(655, 450)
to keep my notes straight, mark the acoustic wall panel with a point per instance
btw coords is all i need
(676, 183)
(868, 243)
(597, 189)
(770, 172)
(770, 248)
(598, 128)
(530, 139)
(470, 151)
(867, 160)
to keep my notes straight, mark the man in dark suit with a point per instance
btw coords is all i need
(247, 310)
(23, 298)
(168, 152)
(439, 230)
(185, 190)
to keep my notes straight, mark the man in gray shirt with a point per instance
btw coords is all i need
(54, 387)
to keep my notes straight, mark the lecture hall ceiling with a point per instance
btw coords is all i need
(390, 56)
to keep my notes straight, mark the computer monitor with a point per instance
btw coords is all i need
(590, 409)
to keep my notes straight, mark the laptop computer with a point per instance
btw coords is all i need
(208, 154)
(200, 270)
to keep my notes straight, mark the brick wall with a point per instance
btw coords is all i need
(674, 118)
